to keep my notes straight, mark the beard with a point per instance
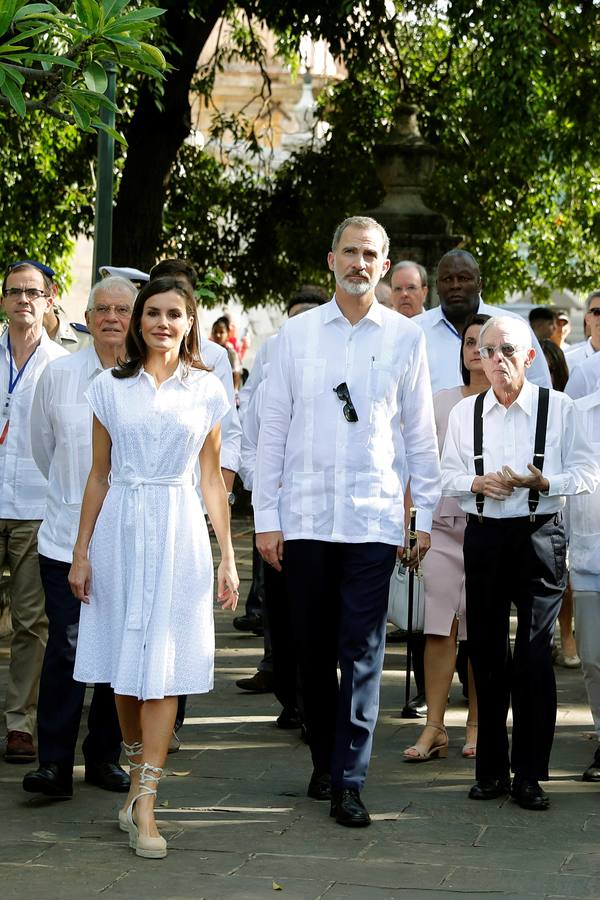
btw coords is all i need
(356, 288)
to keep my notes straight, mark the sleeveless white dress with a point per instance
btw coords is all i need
(148, 629)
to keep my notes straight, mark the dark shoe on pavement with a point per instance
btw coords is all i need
(174, 743)
(108, 776)
(592, 773)
(259, 683)
(528, 794)
(419, 704)
(489, 789)
(289, 719)
(249, 623)
(398, 636)
(319, 786)
(19, 748)
(51, 781)
(348, 809)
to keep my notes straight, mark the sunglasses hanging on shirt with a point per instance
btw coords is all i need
(343, 394)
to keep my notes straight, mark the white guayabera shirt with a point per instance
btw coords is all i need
(508, 440)
(22, 485)
(340, 480)
(443, 348)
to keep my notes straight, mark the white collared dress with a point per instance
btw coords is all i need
(148, 629)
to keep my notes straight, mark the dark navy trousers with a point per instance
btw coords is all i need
(60, 701)
(338, 599)
(514, 561)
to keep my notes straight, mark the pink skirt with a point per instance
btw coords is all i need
(444, 572)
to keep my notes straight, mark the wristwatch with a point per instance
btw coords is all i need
(231, 498)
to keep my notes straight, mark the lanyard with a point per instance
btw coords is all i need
(13, 382)
(450, 327)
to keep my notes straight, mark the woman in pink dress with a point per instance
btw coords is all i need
(444, 578)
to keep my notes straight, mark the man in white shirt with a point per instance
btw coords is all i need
(409, 287)
(61, 438)
(459, 289)
(584, 565)
(584, 379)
(576, 355)
(510, 457)
(25, 351)
(347, 416)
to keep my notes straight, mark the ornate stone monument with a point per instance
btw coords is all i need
(404, 164)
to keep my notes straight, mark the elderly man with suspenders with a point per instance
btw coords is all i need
(510, 457)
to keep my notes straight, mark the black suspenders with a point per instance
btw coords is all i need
(539, 448)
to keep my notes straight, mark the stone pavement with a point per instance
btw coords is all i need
(240, 826)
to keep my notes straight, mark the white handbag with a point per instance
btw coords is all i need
(398, 600)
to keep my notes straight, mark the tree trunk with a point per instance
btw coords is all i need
(154, 137)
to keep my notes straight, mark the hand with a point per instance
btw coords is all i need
(228, 584)
(80, 579)
(412, 558)
(270, 546)
(535, 481)
(495, 485)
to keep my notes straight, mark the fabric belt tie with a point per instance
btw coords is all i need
(137, 485)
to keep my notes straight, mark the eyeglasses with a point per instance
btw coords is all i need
(595, 311)
(103, 309)
(344, 394)
(507, 350)
(30, 293)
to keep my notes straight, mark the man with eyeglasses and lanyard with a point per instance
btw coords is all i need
(584, 361)
(347, 418)
(511, 456)
(25, 351)
(61, 438)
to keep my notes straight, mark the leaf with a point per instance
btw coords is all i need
(99, 125)
(13, 73)
(32, 9)
(14, 96)
(81, 115)
(113, 7)
(156, 55)
(181, 774)
(123, 23)
(95, 77)
(6, 14)
(88, 13)
(276, 887)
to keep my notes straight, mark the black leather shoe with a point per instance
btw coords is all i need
(249, 623)
(289, 719)
(528, 794)
(260, 683)
(49, 780)
(489, 789)
(108, 776)
(348, 809)
(319, 786)
(418, 703)
(592, 773)
(399, 636)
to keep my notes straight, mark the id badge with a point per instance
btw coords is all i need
(4, 417)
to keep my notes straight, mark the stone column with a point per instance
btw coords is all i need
(404, 164)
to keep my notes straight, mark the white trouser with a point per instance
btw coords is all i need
(587, 636)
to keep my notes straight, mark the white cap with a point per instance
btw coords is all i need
(124, 272)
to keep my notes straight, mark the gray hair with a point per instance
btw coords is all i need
(363, 222)
(409, 264)
(115, 284)
(514, 325)
(588, 300)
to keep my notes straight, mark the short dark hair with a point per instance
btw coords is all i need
(175, 268)
(222, 320)
(559, 370)
(135, 347)
(308, 293)
(541, 314)
(475, 319)
(18, 267)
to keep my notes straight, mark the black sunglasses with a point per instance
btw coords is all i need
(595, 311)
(344, 394)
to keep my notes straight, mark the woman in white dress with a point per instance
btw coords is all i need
(147, 588)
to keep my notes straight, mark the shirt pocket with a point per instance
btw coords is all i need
(308, 496)
(381, 382)
(30, 484)
(310, 377)
(74, 425)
